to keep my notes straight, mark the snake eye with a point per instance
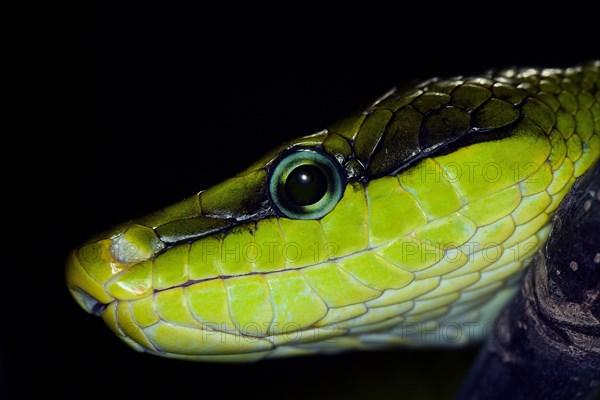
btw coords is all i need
(306, 184)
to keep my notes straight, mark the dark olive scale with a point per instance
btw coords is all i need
(370, 133)
(399, 137)
(495, 114)
(470, 96)
(508, 93)
(337, 146)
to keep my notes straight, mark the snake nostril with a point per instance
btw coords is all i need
(88, 302)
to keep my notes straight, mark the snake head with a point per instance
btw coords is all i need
(420, 210)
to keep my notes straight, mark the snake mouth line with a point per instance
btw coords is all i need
(94, 306)
(90, 303)
(263, 273)
(98, 308)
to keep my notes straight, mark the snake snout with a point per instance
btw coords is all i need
(87, 291)
(93, 270)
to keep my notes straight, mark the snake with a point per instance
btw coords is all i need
(408, 224)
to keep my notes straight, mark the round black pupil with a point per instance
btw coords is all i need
(306, 185)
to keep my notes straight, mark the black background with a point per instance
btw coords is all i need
(161, 92)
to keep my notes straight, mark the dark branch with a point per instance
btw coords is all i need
(546, 344)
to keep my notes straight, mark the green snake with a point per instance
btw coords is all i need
(407, 224)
